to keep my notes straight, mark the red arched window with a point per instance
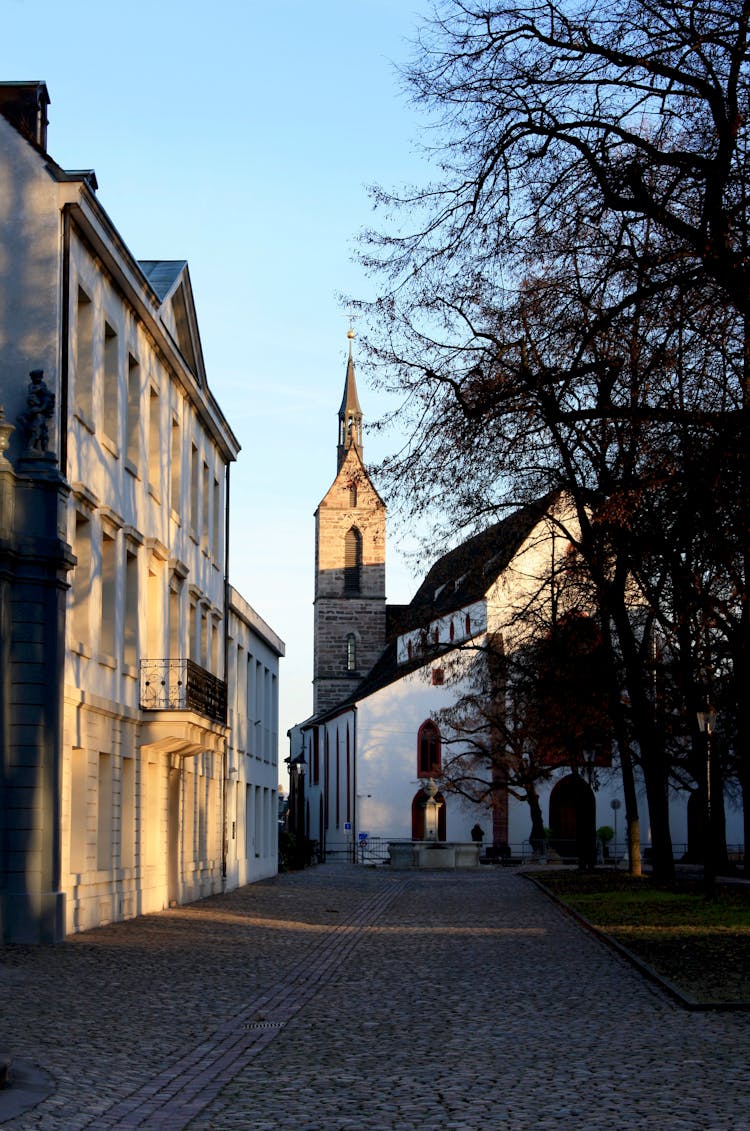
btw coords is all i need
(428, 751)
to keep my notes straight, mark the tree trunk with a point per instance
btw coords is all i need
(536, 837)
(632, 819)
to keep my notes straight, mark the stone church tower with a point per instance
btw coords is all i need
(349, 617)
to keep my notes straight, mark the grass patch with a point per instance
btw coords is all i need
(702, 946)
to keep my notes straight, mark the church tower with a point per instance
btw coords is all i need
(349, 632)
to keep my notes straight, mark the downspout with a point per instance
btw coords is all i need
(64, 362)
(354, 784)
(224, 766)
(64, 342)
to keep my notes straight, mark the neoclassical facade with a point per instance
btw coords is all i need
(140, 690)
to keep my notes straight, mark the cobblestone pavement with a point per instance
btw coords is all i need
(356, 998)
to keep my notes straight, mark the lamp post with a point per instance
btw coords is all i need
(706, 725)
(299, 769)
(614, 806)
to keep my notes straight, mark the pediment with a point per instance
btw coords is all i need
(170, 279)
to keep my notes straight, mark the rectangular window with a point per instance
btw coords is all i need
(248, 822)
(258, 727)
(215, 642)
(315, 767)
(154, 634)
(193, 633)
(216, 539)
(174, 618)
(213, 849)
(109, 599)
(250, 705)
(84, 357)
(133, 416)
(154, 442)
(82, 582)
(194, 491)
(258, 830)
(175, 466)
(78, 809)
(127, 813)
(110, 389)
(202, 839)
(104, 814)
(203, 646)
(204, 507)
(190, 846)
(130, 649)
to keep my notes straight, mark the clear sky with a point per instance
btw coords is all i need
(241, 136)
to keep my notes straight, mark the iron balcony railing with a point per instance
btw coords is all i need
(182, 685)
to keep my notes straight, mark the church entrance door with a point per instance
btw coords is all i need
(572, 819)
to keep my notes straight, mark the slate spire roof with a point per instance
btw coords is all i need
(350, 413)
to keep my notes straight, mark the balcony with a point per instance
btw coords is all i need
(182, 685)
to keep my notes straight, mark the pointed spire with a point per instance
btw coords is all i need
(350, 413)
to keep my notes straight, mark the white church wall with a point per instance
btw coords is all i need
(387, 779)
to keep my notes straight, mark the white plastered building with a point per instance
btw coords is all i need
(132, 779)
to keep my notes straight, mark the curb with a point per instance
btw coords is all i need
(27, 1087)
(643, 968)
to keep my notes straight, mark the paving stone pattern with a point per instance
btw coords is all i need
(359, 998)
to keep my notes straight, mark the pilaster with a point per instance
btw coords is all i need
(34, 562)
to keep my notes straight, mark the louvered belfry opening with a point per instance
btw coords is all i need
(352, 561)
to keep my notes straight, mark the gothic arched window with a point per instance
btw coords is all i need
(352, 561)
(428, 751)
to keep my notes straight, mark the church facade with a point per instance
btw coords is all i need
(370, 763)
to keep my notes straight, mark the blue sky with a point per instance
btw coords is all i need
(241, 136)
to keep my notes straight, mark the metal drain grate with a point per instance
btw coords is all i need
(265, 1025)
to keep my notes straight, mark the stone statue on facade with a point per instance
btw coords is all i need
(40, 403)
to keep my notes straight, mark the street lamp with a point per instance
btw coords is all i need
(615, 805)
(297, 787)
(706, 725)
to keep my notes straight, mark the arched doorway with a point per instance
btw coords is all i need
(428, 820)
(572, 819)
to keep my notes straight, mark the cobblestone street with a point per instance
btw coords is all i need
(346, 997)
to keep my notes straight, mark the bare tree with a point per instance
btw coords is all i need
(568, 306)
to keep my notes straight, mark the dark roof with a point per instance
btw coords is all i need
(461, 576)
(161, 273)
(350, 401)
(25, 104)
(465, 573)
